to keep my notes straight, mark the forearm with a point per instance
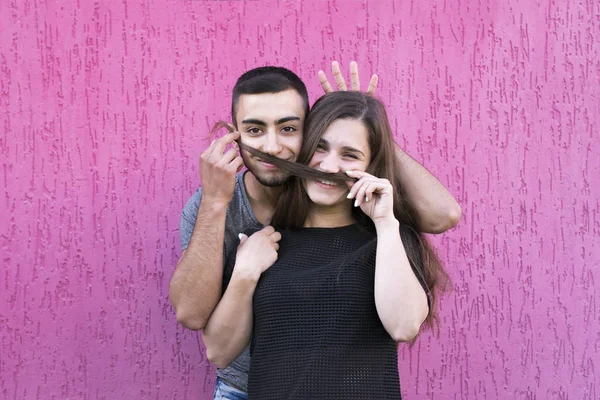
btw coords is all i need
(229, 328)
(400, 299)
(195, 287)
(437, 209)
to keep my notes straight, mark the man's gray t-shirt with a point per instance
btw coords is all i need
(240, 219)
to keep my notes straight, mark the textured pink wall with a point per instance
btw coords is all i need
(103, 106)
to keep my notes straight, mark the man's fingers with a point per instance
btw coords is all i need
(324, 82)
(237, 163)
(228, 157)
(354, 79)
(337, 75)
(372, 85)
(208, 151)
(222, 142)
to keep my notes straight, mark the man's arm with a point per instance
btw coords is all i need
(229, 328)
(436, 209)
(196, 284)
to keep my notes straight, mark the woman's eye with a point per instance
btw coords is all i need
(289, 129)
(352, 156)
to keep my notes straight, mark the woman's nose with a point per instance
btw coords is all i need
(330, 164)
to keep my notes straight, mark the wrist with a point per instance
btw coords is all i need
(386, 223)
(244, 277)
(215, 205)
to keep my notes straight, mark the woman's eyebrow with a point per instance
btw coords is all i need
(352, 150)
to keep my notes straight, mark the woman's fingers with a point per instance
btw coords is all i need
(275, 237)
(366, 189)
(366, 192)
(358, 184)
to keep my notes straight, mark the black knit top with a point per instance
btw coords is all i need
(316, 331)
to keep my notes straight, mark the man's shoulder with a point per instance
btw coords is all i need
(239, 194)
(239, 213)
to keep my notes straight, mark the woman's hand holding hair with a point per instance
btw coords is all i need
(374, 196)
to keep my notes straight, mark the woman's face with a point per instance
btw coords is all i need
(343, 147)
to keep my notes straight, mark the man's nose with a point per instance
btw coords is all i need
(272, 145)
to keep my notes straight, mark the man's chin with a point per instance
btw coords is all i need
(271, 181)
(268, 178)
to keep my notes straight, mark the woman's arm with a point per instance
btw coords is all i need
(400, 299)
(229, 328)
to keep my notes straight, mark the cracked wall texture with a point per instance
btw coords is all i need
(104, 107)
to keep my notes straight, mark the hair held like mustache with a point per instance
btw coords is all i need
(292, 168)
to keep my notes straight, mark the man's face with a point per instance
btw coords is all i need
(271, 123)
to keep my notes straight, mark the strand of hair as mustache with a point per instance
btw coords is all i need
(293, 168)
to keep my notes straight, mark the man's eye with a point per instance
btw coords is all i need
(253, 130)
(289, 129)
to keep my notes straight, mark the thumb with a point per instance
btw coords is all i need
(243, 238)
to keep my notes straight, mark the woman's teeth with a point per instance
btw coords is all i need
(328, 183)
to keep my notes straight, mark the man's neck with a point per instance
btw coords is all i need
(263, 199)
(329, 217)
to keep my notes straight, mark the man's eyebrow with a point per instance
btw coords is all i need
(254, 122)
(286, 119)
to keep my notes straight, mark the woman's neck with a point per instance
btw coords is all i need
(329, 217)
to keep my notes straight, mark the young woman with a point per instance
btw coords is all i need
(326, 298)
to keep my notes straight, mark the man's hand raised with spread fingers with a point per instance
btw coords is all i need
(341, 83)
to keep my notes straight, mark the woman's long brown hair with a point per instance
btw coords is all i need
(292, 209)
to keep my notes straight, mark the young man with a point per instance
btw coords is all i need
(269, 106)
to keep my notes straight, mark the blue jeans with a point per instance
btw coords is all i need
(224, 391)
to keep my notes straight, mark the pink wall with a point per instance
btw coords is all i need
(103, 106)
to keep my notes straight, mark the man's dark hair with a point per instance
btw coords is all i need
(267, 80)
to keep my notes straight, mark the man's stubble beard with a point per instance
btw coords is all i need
(272, 181)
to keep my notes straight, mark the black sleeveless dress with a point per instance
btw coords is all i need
(317, 334)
